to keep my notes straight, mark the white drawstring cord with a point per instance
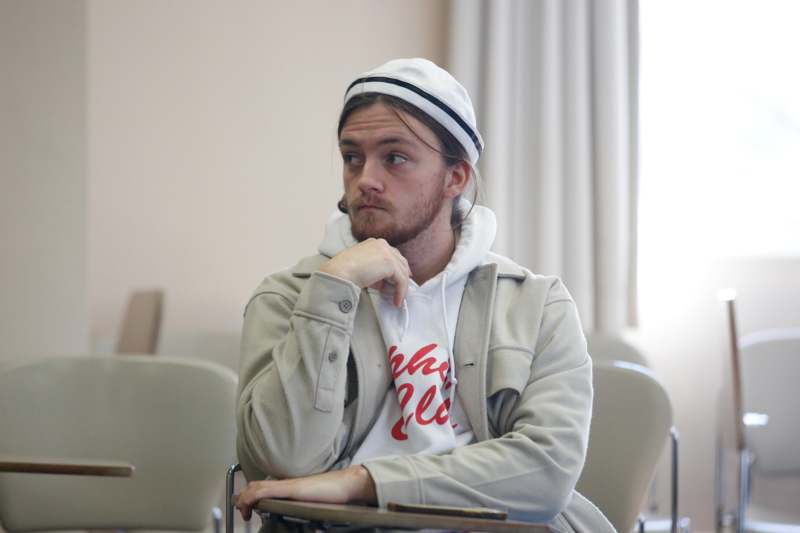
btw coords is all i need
(450, 360)
(406, 318)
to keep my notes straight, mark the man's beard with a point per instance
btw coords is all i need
(366, 225)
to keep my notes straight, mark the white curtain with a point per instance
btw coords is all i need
(554, 83)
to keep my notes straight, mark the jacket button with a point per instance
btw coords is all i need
(345, 306)
(332, 356)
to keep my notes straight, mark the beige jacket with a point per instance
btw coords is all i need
(314, 373)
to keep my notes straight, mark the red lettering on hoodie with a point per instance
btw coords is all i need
(405, 391)
(398, 429)
(417, 361)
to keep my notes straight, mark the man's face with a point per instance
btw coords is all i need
(394, 183)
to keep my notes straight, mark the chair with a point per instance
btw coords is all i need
(604, 348)
(770, 374)
(142, 323)
(631, 420)
(171, 418)
(764, 372)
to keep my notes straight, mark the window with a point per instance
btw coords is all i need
(720, 128)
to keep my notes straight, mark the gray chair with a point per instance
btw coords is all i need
(171, 418)
(631, 420)
(606, 348)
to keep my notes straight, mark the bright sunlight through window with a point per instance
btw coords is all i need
(720, 128)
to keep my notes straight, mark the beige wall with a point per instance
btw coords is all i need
(212, 137)
(43, 307)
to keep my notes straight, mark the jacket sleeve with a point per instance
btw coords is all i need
(294, 351)
(530, 469)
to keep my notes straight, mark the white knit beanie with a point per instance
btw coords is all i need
(430, 88)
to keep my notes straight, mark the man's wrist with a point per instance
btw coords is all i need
(332, 268)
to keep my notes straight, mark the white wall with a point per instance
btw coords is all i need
(43, 242)
(211, 146)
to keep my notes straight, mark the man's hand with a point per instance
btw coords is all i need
(372, 263)
(353, 484)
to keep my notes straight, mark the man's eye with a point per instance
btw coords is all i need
(351, 159)
(396, 159)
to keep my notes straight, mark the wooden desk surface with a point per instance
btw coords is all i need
(73, 467)
(358, 515)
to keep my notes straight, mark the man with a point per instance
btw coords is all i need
(406, 362)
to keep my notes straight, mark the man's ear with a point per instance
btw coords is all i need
(458, 177)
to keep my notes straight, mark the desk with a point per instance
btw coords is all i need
(73, 467)
(358, 515)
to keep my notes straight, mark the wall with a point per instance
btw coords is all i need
(212, 147)
(43, 242)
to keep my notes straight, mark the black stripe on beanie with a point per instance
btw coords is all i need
(429, 97)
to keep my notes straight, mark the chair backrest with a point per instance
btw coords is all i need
(770, 375)
(142, 323)
(631, 419)
(173, 419)
(605, 347)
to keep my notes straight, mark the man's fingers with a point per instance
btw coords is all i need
(254, 491)
(382, 286)
(403, 261)
(401, 277)
(244, 509)
(395, 284)
(400, 288)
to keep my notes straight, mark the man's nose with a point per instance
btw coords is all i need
(371, 176)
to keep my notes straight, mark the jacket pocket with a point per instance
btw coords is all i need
(509, 368)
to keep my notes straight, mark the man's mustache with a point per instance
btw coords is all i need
(364, 201)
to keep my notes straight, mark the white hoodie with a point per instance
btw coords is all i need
(416, 416)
